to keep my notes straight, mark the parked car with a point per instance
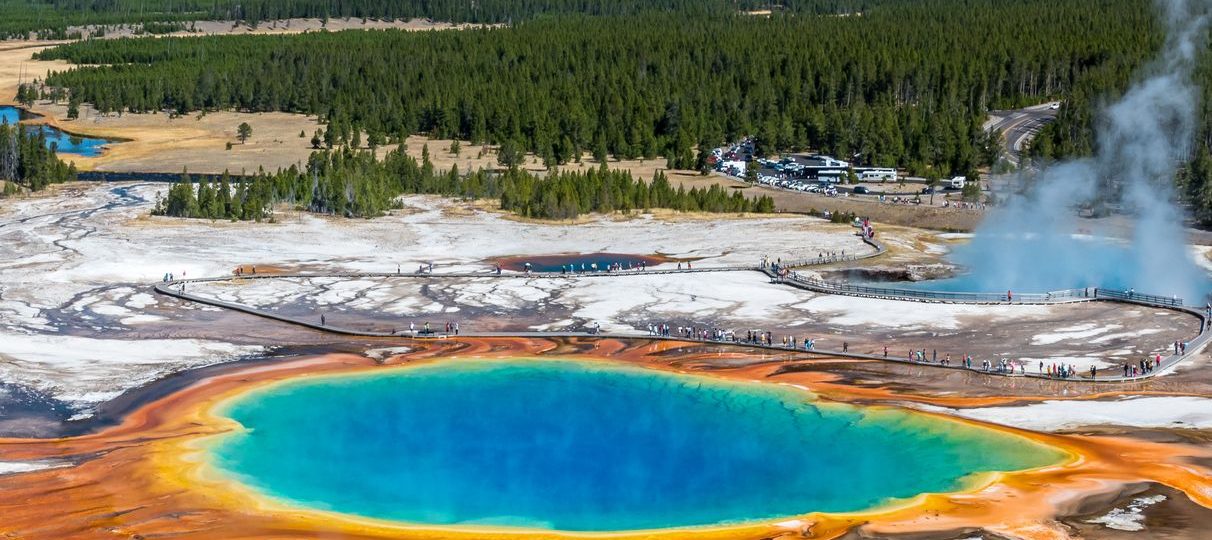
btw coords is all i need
(861, 190)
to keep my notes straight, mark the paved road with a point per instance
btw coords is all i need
(1019, 126)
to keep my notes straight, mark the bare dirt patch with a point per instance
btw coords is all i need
(284, 26)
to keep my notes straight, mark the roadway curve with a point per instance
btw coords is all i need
(1017, 127)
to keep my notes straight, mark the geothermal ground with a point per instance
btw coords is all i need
(85, 341)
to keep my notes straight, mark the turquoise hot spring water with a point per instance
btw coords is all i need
(589, 446)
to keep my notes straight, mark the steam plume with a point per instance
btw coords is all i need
(1029, 243)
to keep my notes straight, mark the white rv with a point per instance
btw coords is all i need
(877, 174)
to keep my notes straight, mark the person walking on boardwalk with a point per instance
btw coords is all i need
(322, 319)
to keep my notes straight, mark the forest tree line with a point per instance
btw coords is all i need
(27, 163)
(354, 183)
(907, 84)
(52, 19)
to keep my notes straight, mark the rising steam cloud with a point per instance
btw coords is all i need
(1030, 243)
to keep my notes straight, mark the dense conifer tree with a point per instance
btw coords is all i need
(27, 163)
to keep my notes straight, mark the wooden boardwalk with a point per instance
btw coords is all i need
(180, 289)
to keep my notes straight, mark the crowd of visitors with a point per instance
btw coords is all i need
(1061, 371)
(1142, 367)
(754, 337)
(1002, 366)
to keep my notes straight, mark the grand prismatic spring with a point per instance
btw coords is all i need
(591, 446)
(475, 438)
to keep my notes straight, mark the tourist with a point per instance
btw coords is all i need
(885, 351)
(322, 319)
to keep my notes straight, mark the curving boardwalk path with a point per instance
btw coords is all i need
(179, 289)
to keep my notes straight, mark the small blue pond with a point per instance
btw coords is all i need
(61, 141)
(579, 262)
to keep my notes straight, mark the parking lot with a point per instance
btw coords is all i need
(826, 176)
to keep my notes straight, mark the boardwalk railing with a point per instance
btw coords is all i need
(832, 287)
(828, 259)
(1133, 296)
